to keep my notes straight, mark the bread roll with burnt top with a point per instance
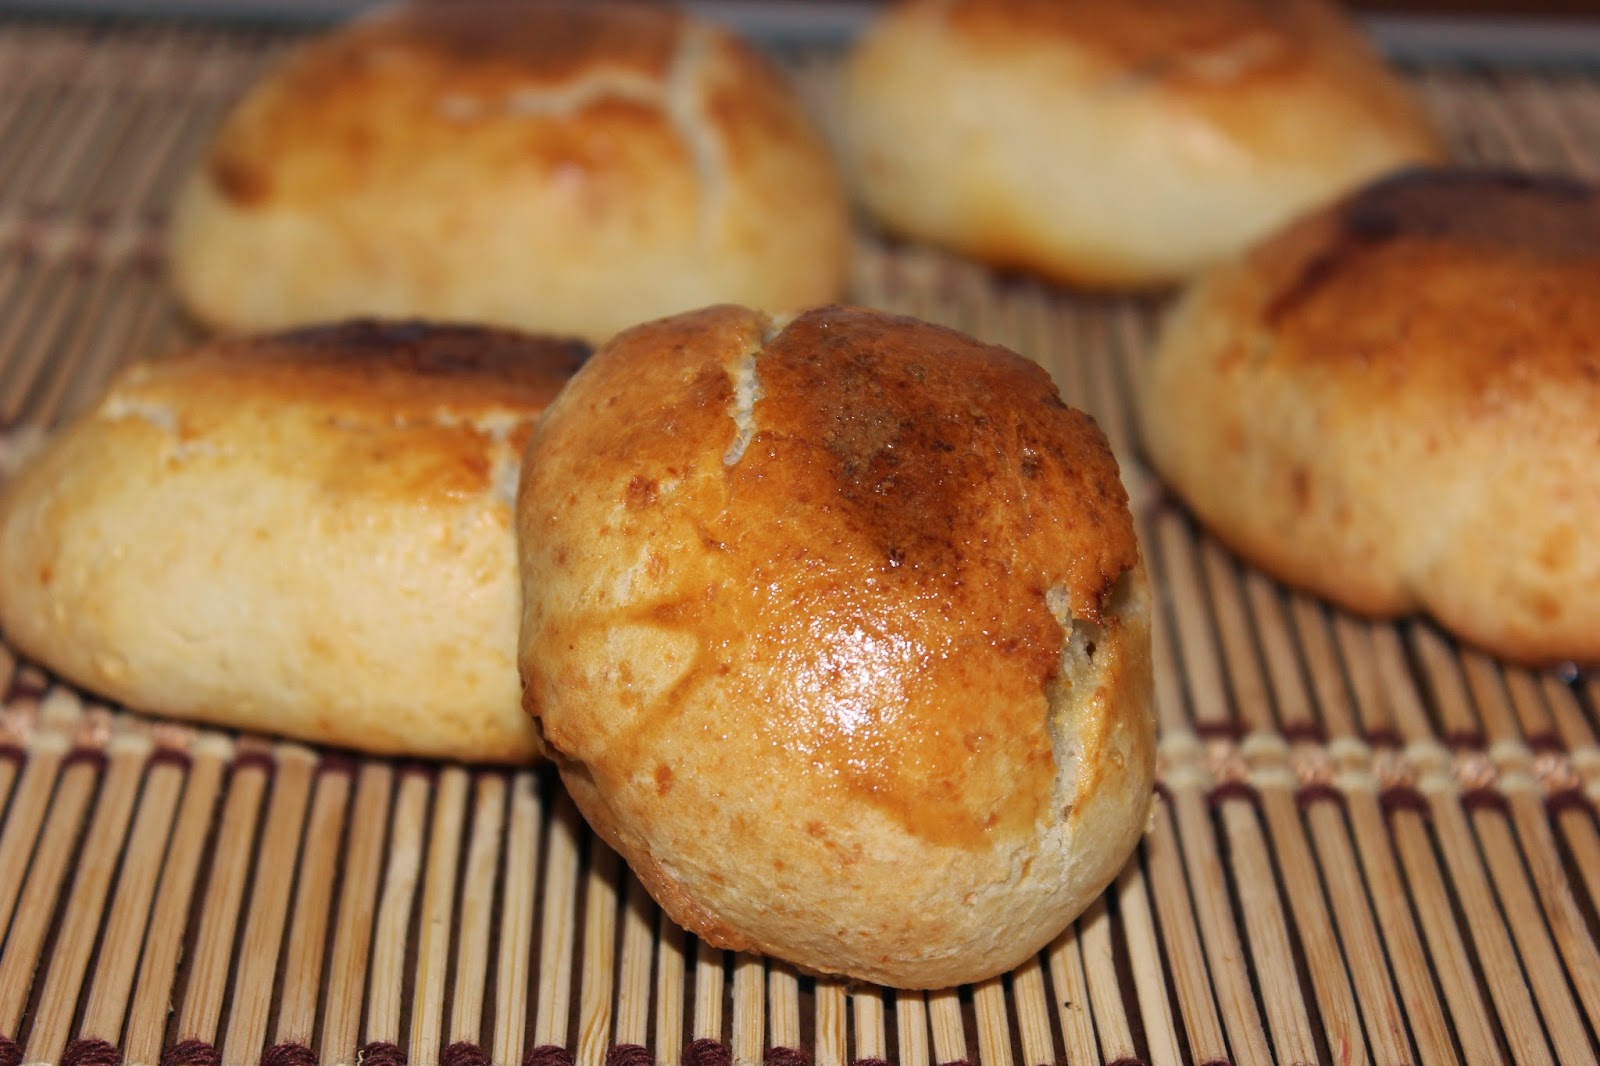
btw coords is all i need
(1395, 403)
(838, 633)
(559, 166)
(304, 534)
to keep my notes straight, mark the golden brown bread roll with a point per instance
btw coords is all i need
(838, 633)
(306, 534)
(1394, 404)
(1105, 143)
(556, 166)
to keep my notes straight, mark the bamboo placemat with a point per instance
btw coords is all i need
(1373, 847)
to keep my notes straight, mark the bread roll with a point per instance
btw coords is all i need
(1110, 144)
(557, 166)
(306, 534)
(1394, 403)
(837, 632)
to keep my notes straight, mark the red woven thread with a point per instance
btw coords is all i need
(1302, 733)
(1546, 743)
(258, 760)
(1234, 790)
(190, 1053)
(1403, 798)
(1378, 738)
(786, 1056)
(1310, 794)
(1484, 799)
(25, 686)
(1568, 799)
(416, 767)
(547, 1055)
(168, 756)
(10, 1053)
(381, 1053)
(91, 1053)
(707, 1053)
(289, 1054)
(1224, 730)
(93, 756)
(334, 763)
(463, 1053)
(629, 1055)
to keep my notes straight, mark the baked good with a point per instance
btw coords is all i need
(306, 534)
(838, 634)
(1394, 403)
(1109, 144)
(560, 166)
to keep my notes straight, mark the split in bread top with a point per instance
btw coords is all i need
(562, 167)
(837, 632)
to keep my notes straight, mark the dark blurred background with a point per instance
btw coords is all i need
(1564, 31)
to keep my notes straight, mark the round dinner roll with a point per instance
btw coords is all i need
(1112, 144)
(1395, 403)
(307, 534)
(838, 634)
(562, 166)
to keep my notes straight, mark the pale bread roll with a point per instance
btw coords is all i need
(555, 166)
(1395, 403)
(837, 632)
(306, 535)
(1112, 144)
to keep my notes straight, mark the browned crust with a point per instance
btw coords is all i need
(393, 369)
(1156, 38)
(1459, 281)
(794, 612)
(365, 98)
(1399, 396)
(1194, 46)
(553, 40)
(908, 416)
(1228, 58)
(915, 491)
(441, 393)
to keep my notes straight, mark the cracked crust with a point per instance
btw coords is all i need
(820, 696)
(1112, 144)
(259, 534)
(1392, 403)
(561, 166)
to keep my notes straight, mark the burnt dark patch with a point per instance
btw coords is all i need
(245, 185)
(1548, 215)
(642, 492)
(420, 348)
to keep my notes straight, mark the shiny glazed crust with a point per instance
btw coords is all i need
(559, 166)
(1104, 143)
(1393, 403)
(306, 535)
(837, 632)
